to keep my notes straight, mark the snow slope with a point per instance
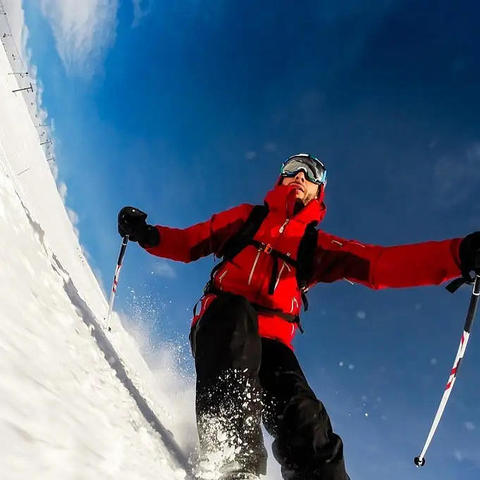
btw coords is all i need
(69, 408)
(76, 401)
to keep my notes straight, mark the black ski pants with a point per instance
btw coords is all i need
(242, 378)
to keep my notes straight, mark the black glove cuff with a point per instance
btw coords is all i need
(470, 255)
(150, 237)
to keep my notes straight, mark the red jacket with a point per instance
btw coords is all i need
(427, 263)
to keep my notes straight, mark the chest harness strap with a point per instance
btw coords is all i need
(303, 265)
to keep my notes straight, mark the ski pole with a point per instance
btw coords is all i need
(420, 460)
(123, 248)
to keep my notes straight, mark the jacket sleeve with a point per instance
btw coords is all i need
(426, 263)
(202, 239)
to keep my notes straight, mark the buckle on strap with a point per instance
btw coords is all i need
(267, 248)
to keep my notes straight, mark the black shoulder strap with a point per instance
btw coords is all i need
(305, 260)
(234, 245)
(305, 257)
(243, 237)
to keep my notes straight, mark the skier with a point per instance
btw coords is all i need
(244, 324)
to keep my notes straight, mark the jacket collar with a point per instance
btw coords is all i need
(281, 199)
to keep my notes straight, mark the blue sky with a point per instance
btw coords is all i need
(188, 108)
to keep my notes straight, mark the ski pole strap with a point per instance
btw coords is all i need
(454, 285)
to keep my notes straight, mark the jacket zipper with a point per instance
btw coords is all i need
(284, 265)
(259, 251)
(282, 228)
(220, 278)
(294, 301)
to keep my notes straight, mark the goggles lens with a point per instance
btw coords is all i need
(315, 171)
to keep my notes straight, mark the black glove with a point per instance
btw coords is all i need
(470, 255)
(131, 222)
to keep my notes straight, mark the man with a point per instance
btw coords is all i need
(241, 335)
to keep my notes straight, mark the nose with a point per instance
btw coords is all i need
(300, 176)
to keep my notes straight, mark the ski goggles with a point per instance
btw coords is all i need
(315, 171)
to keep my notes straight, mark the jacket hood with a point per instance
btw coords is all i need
(282, 198)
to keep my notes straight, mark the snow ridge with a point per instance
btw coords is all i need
(65, 412)
(114, 361)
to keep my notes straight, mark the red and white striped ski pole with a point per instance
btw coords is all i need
(420, 460)
(123, 248)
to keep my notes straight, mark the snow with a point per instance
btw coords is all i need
(65, 412)
(77, 401)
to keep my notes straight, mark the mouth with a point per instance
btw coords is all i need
(298, 187)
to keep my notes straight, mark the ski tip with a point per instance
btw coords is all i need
(419, 462)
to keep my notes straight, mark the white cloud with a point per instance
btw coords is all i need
(62, 190)
(470, 426)
(83, 30)
(72, 216)
(141, 8)
(457, 178)
(163, 269)
(270, 147)
(458, 455)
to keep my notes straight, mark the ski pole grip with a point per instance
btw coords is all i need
(122, 250)
(472, 308)
(476, 286)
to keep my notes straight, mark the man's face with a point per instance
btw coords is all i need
(305, 189)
